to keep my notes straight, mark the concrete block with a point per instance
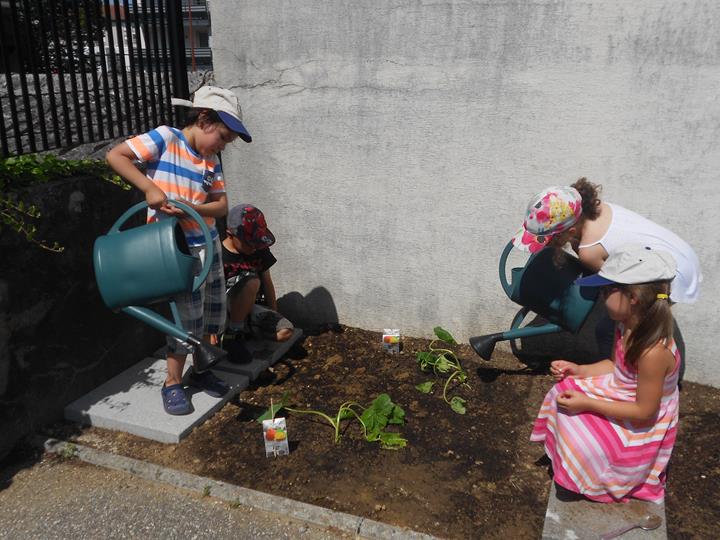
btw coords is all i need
(578, 519)
(251, 370)
(265, 353)
(131, 402)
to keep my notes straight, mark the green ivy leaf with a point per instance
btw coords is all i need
(397, 416)
(442, 364)
(274, 408)
(375, 417)
(425, 387)
(458, 404)
(391, 441)
(346, 414)
(444, 335)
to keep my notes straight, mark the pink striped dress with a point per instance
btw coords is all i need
(603, 458)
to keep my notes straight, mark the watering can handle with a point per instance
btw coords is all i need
(503, 275)
(199, 279)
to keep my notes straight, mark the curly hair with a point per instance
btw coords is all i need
(591, 202)
(590, 194)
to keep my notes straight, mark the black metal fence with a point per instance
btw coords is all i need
(78, 71)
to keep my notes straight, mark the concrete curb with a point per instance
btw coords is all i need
(361, 527)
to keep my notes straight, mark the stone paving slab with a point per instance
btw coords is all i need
(581, 519)
(131, 402)
(265, 354)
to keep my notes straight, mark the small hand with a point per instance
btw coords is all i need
(171, 210)
(572, 401)
(560, 369)
(156, 198)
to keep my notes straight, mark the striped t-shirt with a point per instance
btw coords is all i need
(176, 168)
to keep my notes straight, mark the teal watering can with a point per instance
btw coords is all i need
(546, 290)
(150, 264)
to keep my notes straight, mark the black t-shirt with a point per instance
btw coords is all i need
(235, 263)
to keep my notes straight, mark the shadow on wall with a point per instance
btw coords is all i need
(314, 312)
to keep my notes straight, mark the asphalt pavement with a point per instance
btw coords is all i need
(74, 491)
(57, 498)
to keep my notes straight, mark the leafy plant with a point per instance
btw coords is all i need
(29, 170)
(444, 363)
(68, 451)
(381, 413)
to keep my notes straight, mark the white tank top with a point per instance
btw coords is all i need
(627, 227)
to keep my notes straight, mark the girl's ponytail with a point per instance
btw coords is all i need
(656, 320)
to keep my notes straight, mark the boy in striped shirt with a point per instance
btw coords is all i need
(182, 165)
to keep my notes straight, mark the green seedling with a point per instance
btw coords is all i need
(444, 363)
(373, 419)
(68, 451)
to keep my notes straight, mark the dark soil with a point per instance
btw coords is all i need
(460, 476)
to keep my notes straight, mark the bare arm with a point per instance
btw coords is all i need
(602, 367)
(122, 160)
(653, 366)
(562, 368)
(269, 288)
(592, 257)
(217, 206)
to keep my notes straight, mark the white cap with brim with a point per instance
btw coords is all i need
(632, 264)
(222, 101)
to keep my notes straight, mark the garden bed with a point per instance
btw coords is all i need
(460, 476)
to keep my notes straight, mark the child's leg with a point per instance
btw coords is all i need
(175, 365)
(269, 324)
(213, 321)
(189, 307)
(284, 334)
(241, 299)
(214, 298)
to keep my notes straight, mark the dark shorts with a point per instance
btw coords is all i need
(236, 283)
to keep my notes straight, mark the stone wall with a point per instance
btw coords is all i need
(57, 339)
(396, 144)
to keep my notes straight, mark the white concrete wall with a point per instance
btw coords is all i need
(396, 142)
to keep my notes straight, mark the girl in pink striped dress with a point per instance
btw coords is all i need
(609, 427)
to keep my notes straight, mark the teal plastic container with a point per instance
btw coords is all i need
(544, 289)
(548, 290)
(147, 264)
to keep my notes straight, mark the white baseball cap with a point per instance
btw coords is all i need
(222, 101)
(632, 264)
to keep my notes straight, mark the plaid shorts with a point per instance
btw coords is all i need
(204, 310)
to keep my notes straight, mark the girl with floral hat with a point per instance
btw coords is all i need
(574, 217)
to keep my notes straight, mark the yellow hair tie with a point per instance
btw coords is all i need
(662, 296)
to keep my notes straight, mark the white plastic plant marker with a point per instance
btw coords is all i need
(275, 437)
(391, 340)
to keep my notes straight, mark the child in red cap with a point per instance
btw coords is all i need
(247, 260)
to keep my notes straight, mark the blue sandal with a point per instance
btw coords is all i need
(175, 400)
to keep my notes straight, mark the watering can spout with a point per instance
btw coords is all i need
(485, 345)
(205, 355)
(152, 263)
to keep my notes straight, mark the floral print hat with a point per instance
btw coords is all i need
(550, 212)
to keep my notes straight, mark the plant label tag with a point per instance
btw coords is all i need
(391, 340)
(275, 436)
